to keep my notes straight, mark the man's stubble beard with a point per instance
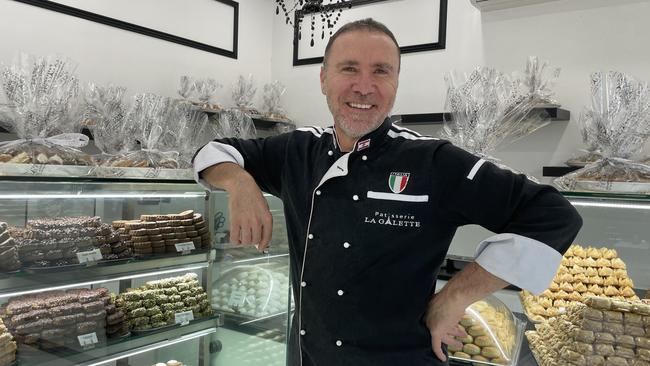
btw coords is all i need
(348, 128)
(350, 131)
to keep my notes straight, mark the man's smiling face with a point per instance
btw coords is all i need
(360, 80)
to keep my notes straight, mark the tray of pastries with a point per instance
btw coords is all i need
(494, 334)
(583, 272)
(602, 331)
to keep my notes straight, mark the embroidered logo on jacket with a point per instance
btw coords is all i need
(397, 181)
(363, 144)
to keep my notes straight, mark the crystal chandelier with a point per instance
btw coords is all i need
(329, 13)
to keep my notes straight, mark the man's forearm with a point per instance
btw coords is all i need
(226, 176)
(471, 284)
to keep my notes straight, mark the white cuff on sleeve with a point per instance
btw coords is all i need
(212, 154)
(524, 262)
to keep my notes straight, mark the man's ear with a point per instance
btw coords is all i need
(322, 79)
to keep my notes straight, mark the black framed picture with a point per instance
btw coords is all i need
(418, 25)
(210, 26)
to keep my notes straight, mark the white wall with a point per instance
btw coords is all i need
(140, 63)
(580, 36)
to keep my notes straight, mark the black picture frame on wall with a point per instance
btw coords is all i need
(439, 45)
(112, 22)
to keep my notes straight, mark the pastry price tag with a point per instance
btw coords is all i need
(90, 256)
(237, 298)
(86, 340)
(184, 318)
(185, 248)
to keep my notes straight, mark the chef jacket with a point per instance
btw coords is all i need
(369, 229)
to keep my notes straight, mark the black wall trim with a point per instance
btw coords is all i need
(440, 45)
(97, 18)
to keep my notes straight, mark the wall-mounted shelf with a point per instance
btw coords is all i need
(554, 113)
(557, 171)
(489, 5)
(84, 131)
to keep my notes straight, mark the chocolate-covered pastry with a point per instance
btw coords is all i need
(31, 327)
(96, 315)
(85, 327)
(94, 306)
(29, 317)
(115, 318)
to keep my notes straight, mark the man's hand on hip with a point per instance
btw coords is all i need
(442, 318)
(250, 219)
(446, 308)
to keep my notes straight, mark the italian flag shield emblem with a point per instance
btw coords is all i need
(397, 181)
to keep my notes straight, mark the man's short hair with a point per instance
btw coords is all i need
(367, 24)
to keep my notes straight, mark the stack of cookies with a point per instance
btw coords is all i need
(157, 234)
(56, 242)
(491, 333)
(51, 320)
(116, 325)
(7, 346)
(155, 304)
(111, 245)
(583, 273)
(9, 260)
(600, 332)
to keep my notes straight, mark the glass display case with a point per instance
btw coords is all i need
(616, 223)
(105, 272)
(251, 290)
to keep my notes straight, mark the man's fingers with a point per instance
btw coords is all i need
(452, 341)
(235, 233)
(256, 234)
(458, 332)
(246, 235)
(267, 231)
(436, 345)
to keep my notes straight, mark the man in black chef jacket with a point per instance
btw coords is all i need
(371, 209)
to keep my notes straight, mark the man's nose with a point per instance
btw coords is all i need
(363, 84)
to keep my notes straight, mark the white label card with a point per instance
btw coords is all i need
(184, 318)
(185, 248)
(237, 298)
(88, 339)
(90, 256)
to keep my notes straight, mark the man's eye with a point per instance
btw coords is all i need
(349, 69)
(381, 71)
